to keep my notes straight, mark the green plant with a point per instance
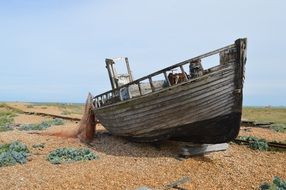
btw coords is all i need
(15, 152)
(29, 127)
(2, 105)
(278, 127)
(5, 128)
(256, 143)
(29, 106)
(41, 126)
(277, 184)
(56, 121)
(64, 155)
(6, 119)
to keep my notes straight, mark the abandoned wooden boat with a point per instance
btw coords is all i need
(200, 106)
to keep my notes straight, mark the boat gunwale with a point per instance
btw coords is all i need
(232, 46)
(220, 69)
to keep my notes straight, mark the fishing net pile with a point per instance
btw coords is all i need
(85, 131)
(87, 124)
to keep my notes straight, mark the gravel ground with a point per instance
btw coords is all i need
(126, 165)
(267, 134)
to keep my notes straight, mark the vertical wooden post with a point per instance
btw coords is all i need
(184, 73)
(99, 101)
(167, 79)
(151, 84)
(128, 69)
(102, 99)
(111, 73)
(139, 87)
(115, 77)
(95, 101)
(107, 61)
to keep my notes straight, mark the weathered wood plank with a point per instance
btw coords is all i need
(186, 115)
(171, 120)
(204, 97)
(169, 95)
(224, 72)
(200, 149)
(178, 182)
(210, 93)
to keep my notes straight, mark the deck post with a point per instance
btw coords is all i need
(184, 73)
(102, 98)
(151, 84)
(167, 79)
(139, 87)
(128, 69)
(111, 73)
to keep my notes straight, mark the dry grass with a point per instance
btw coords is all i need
(273, 114)
(72, 110)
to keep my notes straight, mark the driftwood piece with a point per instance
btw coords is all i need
(175, 184)
(88, 122)
(143, 188)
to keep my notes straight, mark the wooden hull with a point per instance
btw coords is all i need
(202, 110)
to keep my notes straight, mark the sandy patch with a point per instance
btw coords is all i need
(29, 119)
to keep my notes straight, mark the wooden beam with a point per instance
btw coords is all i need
(140, 90)
(167, 79)
(192, 150)
(151, 84)
(175, 184)
(128, 69)
(184, 73)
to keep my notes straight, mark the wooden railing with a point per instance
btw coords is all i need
(101, 99)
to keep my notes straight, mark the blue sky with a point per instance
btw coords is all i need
(54, 50)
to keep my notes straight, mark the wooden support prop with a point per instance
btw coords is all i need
(200, 149)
